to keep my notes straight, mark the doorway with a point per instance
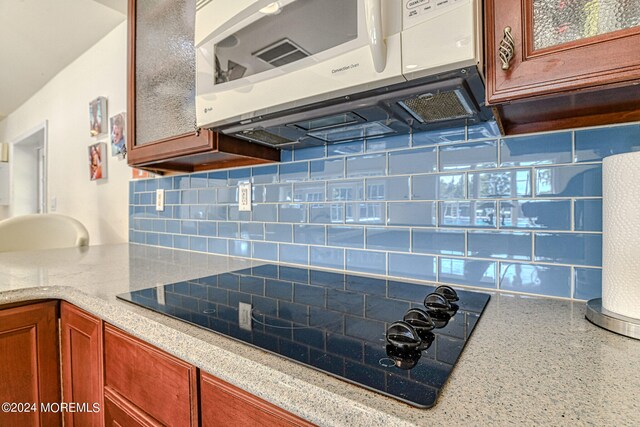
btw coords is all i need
(29, 172)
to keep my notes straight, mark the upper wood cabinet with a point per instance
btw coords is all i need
(162, 133)
(557, 64)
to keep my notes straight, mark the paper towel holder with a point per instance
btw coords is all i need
(600, 316)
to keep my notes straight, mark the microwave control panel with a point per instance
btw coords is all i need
(418, 11)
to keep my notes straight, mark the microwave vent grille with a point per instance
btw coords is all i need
(281, 53)
(264, 137)
(436, 107)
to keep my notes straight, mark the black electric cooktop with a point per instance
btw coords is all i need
(345, 325)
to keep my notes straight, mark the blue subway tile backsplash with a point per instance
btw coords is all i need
(459, 206)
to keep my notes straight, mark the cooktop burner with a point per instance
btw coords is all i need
(400, 339)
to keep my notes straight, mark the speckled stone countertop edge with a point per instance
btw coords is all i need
(334, 403)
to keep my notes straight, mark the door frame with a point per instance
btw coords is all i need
(44, 127)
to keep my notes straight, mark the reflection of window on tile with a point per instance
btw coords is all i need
(367, 213)
(337, 212)
(309, 192)
(468, 272)
(375, 191)
(513, 183)
(544, 181)
(451, 187)
(542, 214)
(325, 213)
(347, 190)
(453, 267)
(342, 193)
(461, 214)
(570, 181)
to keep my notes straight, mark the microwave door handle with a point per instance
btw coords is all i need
(373, 17)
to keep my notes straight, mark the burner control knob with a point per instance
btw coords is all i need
(436, 303)
(419, 319)
(448, 292)
(403, 336)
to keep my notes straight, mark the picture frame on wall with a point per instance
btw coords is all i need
(97, 116)
(140, 174)
(97, 161)
(117, 127)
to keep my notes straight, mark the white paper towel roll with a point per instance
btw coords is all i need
(621, 234)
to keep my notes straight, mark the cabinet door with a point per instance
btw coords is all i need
(560, 45)
(81, 364)
(225, 405)
(29, 363)
(161, 122)
(158, 384)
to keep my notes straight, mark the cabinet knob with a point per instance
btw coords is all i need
(507, 48)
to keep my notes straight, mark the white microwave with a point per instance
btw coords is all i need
(264, 65)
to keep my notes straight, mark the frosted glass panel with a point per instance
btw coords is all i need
(165, 69)
(562, 21)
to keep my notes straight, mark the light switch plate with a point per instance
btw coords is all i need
(244, 197)
(159, 200)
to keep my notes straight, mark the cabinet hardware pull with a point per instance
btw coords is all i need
(507, 48)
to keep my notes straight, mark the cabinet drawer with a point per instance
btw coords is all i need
(120, 413)
(161, 385)
(225, 405)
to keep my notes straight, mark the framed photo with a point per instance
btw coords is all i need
(97, 161)
(139, 174)
(117, 126)
(97, 116)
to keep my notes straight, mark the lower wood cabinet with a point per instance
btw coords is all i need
(225, 405)
(132, 382)
(82, 374)
(29, 364)
(118, 412)
(155, 383)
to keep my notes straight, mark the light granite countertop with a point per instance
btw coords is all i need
(531, 361)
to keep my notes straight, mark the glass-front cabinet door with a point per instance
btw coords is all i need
(557, 22)
(161, 106)
(162, 133)
(541, 47)
(165, 69)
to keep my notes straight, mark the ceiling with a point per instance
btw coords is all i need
(38, 38)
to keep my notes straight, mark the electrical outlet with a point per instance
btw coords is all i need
(244, 316)
(160, 294)
(244, 197)
(159, 200)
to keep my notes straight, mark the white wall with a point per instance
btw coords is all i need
(102, 206)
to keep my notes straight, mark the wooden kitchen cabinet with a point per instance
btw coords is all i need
(82, 373)
(225, 405)
(144, 383)
(29, 363)
(573, 63)
(161, 133)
